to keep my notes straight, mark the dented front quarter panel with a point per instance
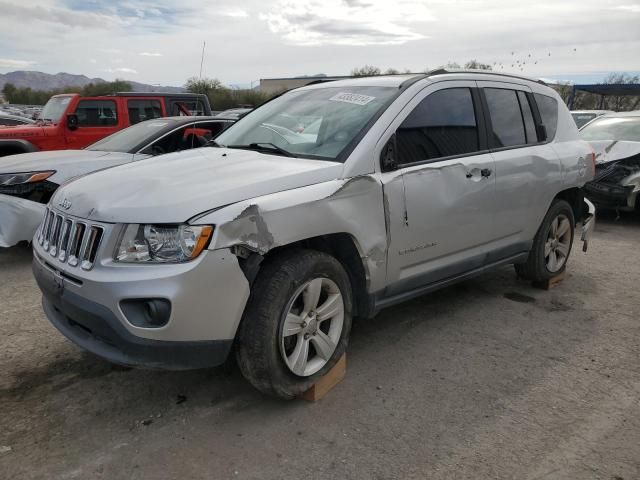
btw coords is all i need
(353, 206)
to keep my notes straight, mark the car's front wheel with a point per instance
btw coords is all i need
(296, 324)
(551, 245)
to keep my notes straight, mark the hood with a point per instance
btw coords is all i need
(173, 188)
(67, 163)
(10, 132)
(611, 150)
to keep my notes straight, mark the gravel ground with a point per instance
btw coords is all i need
(487, 379)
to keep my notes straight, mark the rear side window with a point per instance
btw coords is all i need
(442, 125)
(527, 116)
(97, 113)
(548, 108)
(187, 107)
(141, 110)
(506, 118)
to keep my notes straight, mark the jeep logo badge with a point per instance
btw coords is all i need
(66, 204)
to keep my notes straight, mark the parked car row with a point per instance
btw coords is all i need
(24, 111)
(330, 201)
(11, 120)
(27, 181)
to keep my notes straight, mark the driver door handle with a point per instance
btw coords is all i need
(486, 172)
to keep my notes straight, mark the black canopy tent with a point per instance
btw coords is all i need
(606, 89)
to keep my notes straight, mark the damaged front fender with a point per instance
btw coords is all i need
(19, 219)
(353, 206)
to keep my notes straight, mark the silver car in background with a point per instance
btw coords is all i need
(331, 201)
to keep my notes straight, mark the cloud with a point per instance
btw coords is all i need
(233, 12)
(628, 8)
(122, 70)
(347, 22)
(11, 63)
(150, 54)
(59, 16)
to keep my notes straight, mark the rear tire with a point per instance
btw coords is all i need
(297, 322)
(551, 245)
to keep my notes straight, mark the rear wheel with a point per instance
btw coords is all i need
(296, 324)
(551, 245)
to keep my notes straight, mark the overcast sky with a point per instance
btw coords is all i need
(160, 42)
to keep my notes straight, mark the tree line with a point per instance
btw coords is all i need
(582, 100)
(28, 96)
(592, 101)
(222, 97)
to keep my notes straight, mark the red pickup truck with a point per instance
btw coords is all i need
(70, 121)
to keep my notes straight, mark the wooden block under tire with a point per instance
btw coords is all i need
(326, 383)
(551, 283)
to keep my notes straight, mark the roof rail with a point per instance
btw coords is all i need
(315, 82)
(442, 71)
(410, 81)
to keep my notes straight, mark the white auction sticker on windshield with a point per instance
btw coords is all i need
(355, 98)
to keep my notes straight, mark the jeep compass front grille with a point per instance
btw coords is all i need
(71, 241)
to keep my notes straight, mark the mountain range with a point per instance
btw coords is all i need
(47, 81)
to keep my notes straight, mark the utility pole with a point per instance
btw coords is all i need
(202, 58)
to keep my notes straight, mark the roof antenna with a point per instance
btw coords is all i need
(204, 44)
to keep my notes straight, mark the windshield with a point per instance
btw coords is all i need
(318, 123)
(130, 138)
(582, 119)
(54, 109)
(613, 128)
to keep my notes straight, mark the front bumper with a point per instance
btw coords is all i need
(19, 219)
(610, 196)
(588, 224)
(207, 299)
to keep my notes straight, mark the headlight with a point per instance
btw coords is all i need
(162, 243)
(8, 179)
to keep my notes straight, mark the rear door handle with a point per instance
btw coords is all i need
(486, 172)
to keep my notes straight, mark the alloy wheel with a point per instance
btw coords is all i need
(312, 326)
(558, 244)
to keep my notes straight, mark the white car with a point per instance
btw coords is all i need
(28, 180)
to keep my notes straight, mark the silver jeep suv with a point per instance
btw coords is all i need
(331, 201)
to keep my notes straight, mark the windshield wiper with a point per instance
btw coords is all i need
(264, 147)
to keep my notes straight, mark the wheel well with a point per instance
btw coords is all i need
(342, 247)
(575, 198)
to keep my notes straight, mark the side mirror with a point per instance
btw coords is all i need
(388, 161)
(72, 121)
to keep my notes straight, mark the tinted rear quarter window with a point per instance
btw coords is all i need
(141, 110)
(548, 108)
(442, 125)
(506, 117)
(527, 115)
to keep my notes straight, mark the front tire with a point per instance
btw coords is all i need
(297, 322)
(551, 246)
